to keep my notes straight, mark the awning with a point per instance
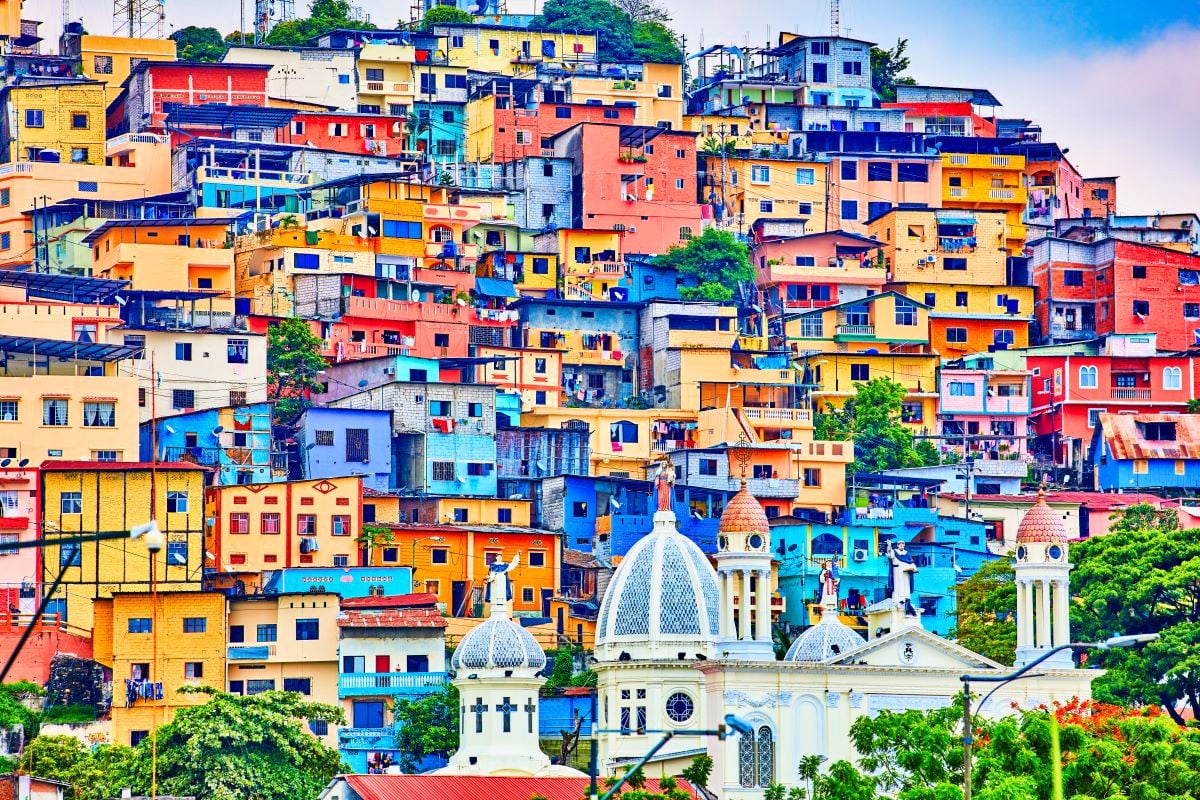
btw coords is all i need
(494, 287)
(954, 218)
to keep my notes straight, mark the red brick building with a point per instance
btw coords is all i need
(518, 131)
(153, 84)
(1088, 289)
(1099, 197)
(636, 179)
(345, 132)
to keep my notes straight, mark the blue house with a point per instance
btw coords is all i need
(1136, 452)
(343, 581)
(337, 442)
(235, 441)
(946, 550)
(647, 282)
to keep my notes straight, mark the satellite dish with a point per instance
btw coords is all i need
(415, 296)
(218, 430)
(5, 462)
(24, 462)
(120, 300)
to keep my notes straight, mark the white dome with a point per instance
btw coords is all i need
(829, 638)
(498, 643)
(663, 593)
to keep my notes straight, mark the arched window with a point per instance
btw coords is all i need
(827, 545)
(756, 758)
(1088, 378)
(1172, 378)
(441, 234)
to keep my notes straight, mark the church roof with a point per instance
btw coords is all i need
(1041, 524)
(498, 643)
(828, 639)
(470, 787)
(744, 514)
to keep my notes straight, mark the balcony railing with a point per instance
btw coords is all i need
(1063, 332)
(1130, 394)
(389, 683)
(767, 416)
(367, 738)
(208, 456)
(855, 330)
(251, 652)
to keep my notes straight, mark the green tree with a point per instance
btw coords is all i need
(655, 42)
(1144, 577)
(644, 10)
(91, 774)
(613, 27)
(12, 710)
(985, 621)
(886, 69)
(293, 365)
(699, 771)
(199, 44)
(244, 748)
(1143, 517)
(715, 259)
(445, 15)
(427, 726)
(373, 536)
(324, 16)
(872, 419)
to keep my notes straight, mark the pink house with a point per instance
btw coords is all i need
(984, 412)
(20, 516)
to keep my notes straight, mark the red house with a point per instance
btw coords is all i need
(817, 270)
(153, 84)
(1093, 288)
(519, 131)
(346, 132)
(635, 179)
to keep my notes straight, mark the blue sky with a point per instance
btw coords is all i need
(1114, 81)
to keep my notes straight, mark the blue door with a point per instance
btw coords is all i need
(368, 714)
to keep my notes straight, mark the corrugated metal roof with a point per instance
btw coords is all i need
(1124, 434)
(456, 787)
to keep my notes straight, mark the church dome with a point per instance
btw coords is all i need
(744, 514)
(1041, 524)
(498, 643)
(663, 594)
(828, 639)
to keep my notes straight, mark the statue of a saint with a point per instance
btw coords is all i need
(664, 483)
(499, 587)
(829, 584)
(901, 576)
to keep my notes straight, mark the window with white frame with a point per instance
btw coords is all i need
(1089, 378)
(760, 173)
(1172, 378)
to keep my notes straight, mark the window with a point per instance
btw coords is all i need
(1088, 378)
(140, 625)
(852, 68)
(708, 466)
(954, 264)
(1141, 308)
(299, 685)
(70, 555)
(766, 206)
(1139, 272)
(99, 415)
(562, 112)
(439, 555)
(34, 118)
(269, 522)
(541, 266)
(308, 630)
(956, 336)
(183, 351)
(1190, 311)
(102, 65)
(1073, 277)
(358, 445)
(54, 413)
(812, 477)
(177, 502)
(1002, 336)
(527, 595)
(443, 470)
(399, 229)
(806, 176)
(78, 120)
(962, 389)
(756, 758)
(760, 173)
(195, 624)
(442, 340)
(820, 48)
(537, 558)
(912, 173)
(341, 525)
(183, 399)
(474, 409)
(1094, 416)
(239, 522)
(877, 208)
(440, 408)
(849, 170)
(579, 508)
(237, 351)
(323, 438)
(860, 372)
(306, 524)
(906, 313)
(193, 669)
(879, 170)
(849, 209)
(260, 685)
(1173, 378)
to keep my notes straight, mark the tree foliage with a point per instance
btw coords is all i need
(620, 35)
(293, 363)
(199, 44)
(716, 260)
(986, 623)
(324, 16)
(12, 710)
(1144, 577)
(93, 774)
(887, 67)
(427, 726)
(445, 15)
(872, 419)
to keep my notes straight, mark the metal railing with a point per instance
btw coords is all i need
(855, 330)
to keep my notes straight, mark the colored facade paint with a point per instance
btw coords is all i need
(234, 441)
(335, 442)
(342, 581)
(61, 122)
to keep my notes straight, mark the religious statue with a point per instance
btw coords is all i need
(829, 584)
(497, 579)
(664, 484)
(901, 576)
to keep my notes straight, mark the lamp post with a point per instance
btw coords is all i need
(413, 560)
(733, 725)
(1023, 672)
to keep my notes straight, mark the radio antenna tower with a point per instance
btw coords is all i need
(139, 19)
(269, 13)
(835, 18)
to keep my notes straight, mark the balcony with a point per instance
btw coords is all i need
(855, 331)
(251, 652)
(209, 456)
(256, 176)
(374, 684)
(786, 488)
(984, 194)
(366, 738)
(721, 340)
(1130, 394)
(1069, 333)
(776, 417)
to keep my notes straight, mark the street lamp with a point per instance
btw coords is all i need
(732, 725)
(413, 560)
(1002, 680)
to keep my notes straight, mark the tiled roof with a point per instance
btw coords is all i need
(392, 601)
(392, 618)
(470, 787)
(1125, 441)
(744, 514)
(578, 558)
(119, 466)
(1041, 524)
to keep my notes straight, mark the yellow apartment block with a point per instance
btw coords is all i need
(65, 119)
(623, 441)
(81, 498)
(171, 256)
(513, 51)
(945, 246)
(978, 182)
(108, 59)
(265, 262)
(884, 321)
(176, 639)
(836, 376)
(287, 642)
(658, 94)
(770, 188)
(536, 373)
(466, 511)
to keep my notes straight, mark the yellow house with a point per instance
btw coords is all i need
(61, 397)
(170, 255)
(536, 373)
(623, 440)
(385, 77)
(269, 526)
(173, 639)
(656, 88)
(64, 119)
(466, 510)
(977, 182)
(591, 262)
(81, 498)
(265, 262)
(885, 320)
(835, 376)
(287, 642)
(513, 51)
(768, 188)
(946, 246)
(108, 59)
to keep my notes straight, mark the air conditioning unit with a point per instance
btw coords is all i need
(860, 554)
(930, 259)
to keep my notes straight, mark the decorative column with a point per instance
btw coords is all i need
(1062, 613)
(744, 608)
(762, 613)
(1043, 614)
(729, 588)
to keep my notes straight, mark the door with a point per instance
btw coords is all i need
(417, 663)
(458, 597)
(368, 714)
(383, 665)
